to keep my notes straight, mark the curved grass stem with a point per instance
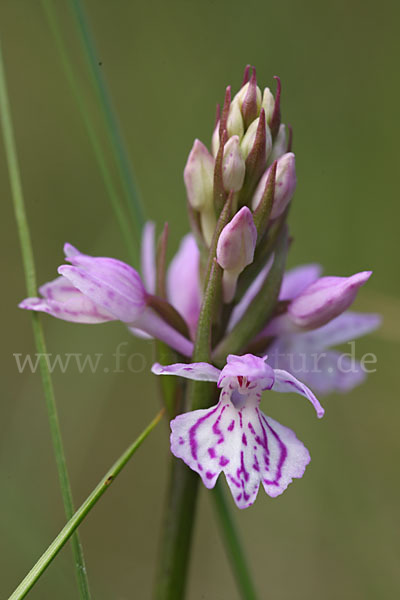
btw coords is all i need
(30, 277)
(81, 513)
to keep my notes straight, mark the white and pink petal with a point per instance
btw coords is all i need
(248, 447)
(197, 371)
(248, 366)
(286, 382)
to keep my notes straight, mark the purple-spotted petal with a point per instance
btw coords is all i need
(288, 456)
(298, 279)
(285, 382)
(197, 371)
(148, 259)
(183, 284)
(64, 301)
(248, 366)
(248, 447)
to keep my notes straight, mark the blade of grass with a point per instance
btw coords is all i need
(81, 513)
(30, 277)
(110, 118)
(118, 209)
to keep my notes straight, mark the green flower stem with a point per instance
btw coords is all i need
(30, 277)
(233, 545)
(110, 118)
(133, 248)
(81, 513)
(177, 532)
(180, 507)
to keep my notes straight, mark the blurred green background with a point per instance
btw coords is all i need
(334, 533)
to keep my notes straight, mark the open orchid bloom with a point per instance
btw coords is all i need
(316, 304)
(234, 436)
(97, 289)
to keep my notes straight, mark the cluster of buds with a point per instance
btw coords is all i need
(250, 147)
(226, 300)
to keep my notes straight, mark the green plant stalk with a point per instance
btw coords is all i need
(108, 182)
(30, 277)
(110, 119)
(177, 532)
(67, 531)
(232, 543)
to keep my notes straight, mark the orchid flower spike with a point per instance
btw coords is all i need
(95, 290)
(234, 436)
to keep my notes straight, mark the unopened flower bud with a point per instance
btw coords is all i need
(325, 299)
(268, 104)
(280, 145)
(198, 176)
(235, 249)
(285, 185)
(199, 181)
(248, 140)
(233, 165)
(242, 93)
(235, 125)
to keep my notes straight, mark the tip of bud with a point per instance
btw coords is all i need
(276, 115)
(246, 75)
(250, 105)
(225, 112)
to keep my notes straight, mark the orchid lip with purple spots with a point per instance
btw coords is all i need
(234, 436)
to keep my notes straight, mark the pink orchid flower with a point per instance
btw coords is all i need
(234, 436)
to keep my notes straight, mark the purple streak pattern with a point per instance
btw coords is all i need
(235, 437)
